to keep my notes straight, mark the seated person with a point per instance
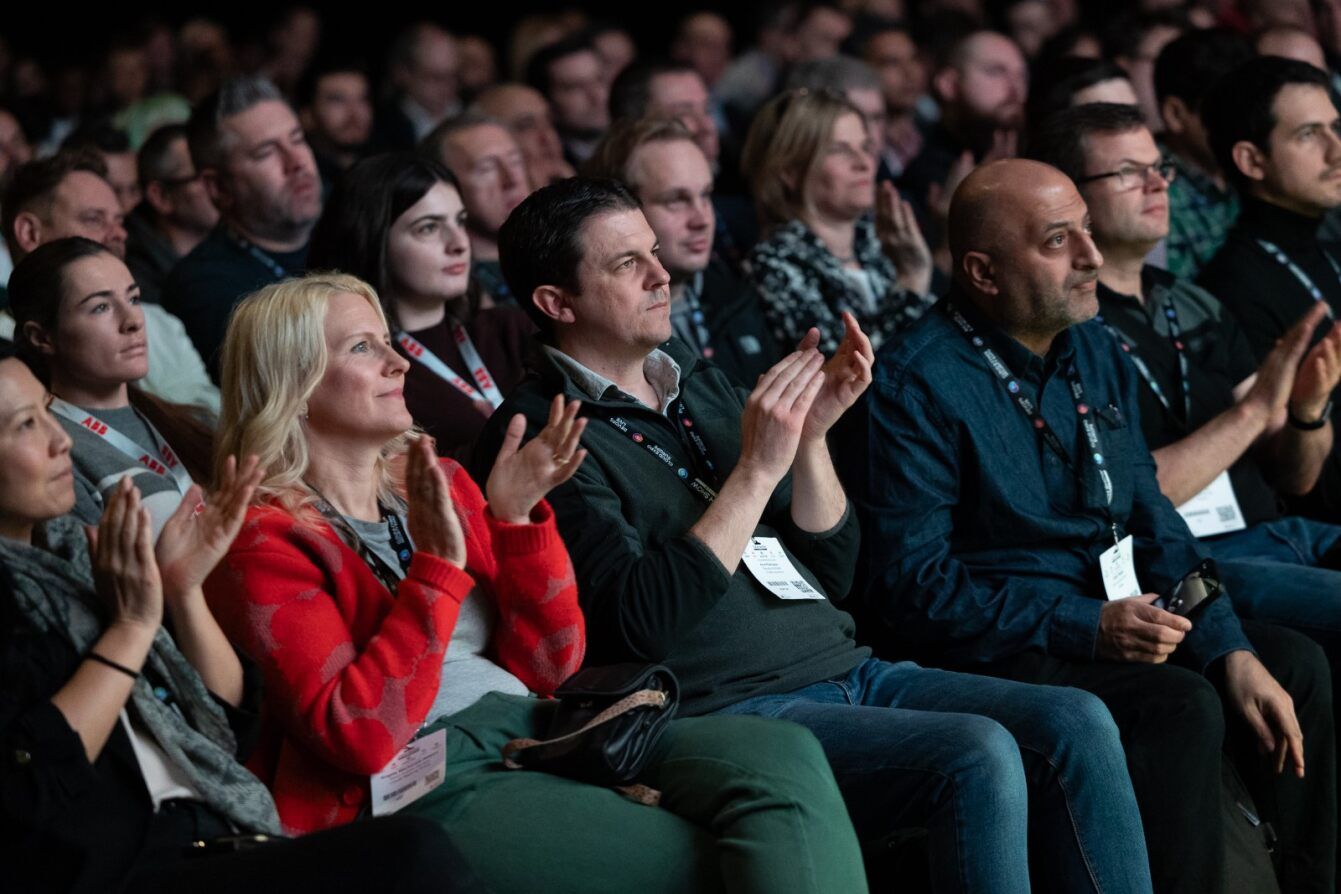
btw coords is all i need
(526, 113)
(398, 220)
(1076, 81)
(690, 477)
(1005, 496)
(712, 309)
(81, 326)
(378, 610)
(808, 155)
(67, 195)
(1273, 124)
(120, 740)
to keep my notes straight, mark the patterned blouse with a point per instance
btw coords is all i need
(802, 284)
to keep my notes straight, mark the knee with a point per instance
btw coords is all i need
(990, 761)
(775, 750)
(1186, 711)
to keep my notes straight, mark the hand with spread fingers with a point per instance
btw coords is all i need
(523, 475)
(902, 239)
(200, 531)
(846, 375)
(431, 517)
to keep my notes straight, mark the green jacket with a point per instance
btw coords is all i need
(652, 593)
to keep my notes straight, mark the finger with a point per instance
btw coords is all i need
(129, 527)
(144, 537)
(786, 372)
(766, 380)
(186, 508)
(555, 411)
(1296, 740)
(91, 535)
(229, 476)
(807, 397)
(1266, 740)
(1153, 615)
(512, 437)
(569, 446)
(802, 380)
(569, 469)
(809, 340)
(860, 341)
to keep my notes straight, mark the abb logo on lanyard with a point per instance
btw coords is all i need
(164, 464)
(94, 425)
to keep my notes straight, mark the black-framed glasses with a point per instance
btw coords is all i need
(1133, 176)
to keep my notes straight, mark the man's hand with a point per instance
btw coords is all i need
(1275, 380)
(1268, 709)
(846, 375)
(1318, 375)
(776, 412)
(1135, 630)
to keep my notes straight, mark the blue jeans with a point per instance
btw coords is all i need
(1272, 574)
(985, 765)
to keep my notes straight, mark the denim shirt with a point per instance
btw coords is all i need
(982, 542)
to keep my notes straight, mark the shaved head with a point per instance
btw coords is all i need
(989, 199)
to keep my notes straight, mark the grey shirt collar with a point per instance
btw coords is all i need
(663, 374)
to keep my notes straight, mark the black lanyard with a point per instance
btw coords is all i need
(692, 479)
(1035, 417)
(1179, 347)
(1274, 251)
(261, 257)
(400, 541)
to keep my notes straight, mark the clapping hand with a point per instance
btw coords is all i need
(199, 532)
(431, 517)
(121, 549)
(1317, 376)
(846, 375)
(902, 240)
(523, 475)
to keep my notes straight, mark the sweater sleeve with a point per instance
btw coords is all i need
(540, 637)
(284, 593)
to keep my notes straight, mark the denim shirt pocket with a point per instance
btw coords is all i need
(1119, 456)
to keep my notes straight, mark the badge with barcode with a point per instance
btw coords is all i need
(768, 562)
(1215, 510)
(416, 771)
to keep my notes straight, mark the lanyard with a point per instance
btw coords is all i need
(261, 257)
(400, 541)
(697, 318)
(1304, 280)
(1040, 425)
(478, 371)
(1179, 346)
(168, 467)
(697, 486)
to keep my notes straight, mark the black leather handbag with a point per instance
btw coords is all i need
(608, 720)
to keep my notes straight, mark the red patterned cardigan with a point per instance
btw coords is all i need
(350, 671)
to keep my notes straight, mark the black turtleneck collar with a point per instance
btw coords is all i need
(1288, 229)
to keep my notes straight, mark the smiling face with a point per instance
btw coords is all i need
(427, 250)
(840, 185)
(624, 302)
(359, 400)
(99, 341)
(1132, 217)
(36, 479)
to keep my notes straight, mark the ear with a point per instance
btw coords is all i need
(27, 231)
(1249, 159)
(946, 83)
(1176, 114)
(157, 197)
(977, 268)
(215, 187)
(554, 303)
(39, 338)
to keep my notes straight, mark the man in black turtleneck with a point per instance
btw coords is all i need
(1274, 130)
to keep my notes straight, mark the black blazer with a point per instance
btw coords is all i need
(66, 824)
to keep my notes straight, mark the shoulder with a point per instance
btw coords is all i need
(925, 352)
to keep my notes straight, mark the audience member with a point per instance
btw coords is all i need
(434, 607)
(891, 53)
(821, 27)
(1291, 43)
(334, 103)
(703, 41)
(1135, 41)
(250, 149)
(479, 65)
(14, 151)
(712, 309)
(66, 195)
(667, 90)
(397, 220)
(531, 121)
(615, 48)
(491, 174)
(753, 77)
(122, 733)
(175, 215)
(658, 532)
(1075, 81)
(809, 157)
(571, 77)
(858, 83)
(1005, 497)
(113, 146)
(1273, 128)
(1202, 206)
(423, 69)
(81, 328)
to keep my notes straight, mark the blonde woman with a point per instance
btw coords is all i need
(812, 168)
(387, 599)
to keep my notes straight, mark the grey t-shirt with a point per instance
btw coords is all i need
(467, 673)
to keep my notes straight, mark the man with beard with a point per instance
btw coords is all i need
(335, 106)
(893, 55)
(260, 172)
(1273, 128)
(571, 76)
(491, 172)
(1013, 525)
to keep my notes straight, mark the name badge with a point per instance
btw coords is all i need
(1215, 510)
(768, 562)
(1119, 571)
(416, 771)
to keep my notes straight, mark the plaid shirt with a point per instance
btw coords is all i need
(1200, 215)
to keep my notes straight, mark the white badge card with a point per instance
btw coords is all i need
(1119, 571)
(416, 771)
(1215, 510)
(769, 564)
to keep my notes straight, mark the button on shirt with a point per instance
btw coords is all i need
(1219, 358)
(981, 543)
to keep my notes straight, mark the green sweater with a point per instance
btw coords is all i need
(652, 593)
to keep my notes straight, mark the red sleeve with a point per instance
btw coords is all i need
(541, 635)
(289, 595)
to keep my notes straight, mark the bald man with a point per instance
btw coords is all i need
(1014, 526)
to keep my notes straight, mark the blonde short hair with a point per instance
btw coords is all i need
(786, 140)
(274, 356)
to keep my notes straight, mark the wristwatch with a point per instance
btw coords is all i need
(1302, 425)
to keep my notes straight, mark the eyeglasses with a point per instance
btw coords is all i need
(1135, 176)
